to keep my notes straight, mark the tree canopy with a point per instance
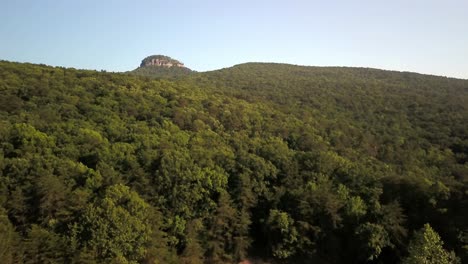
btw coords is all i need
(280, 163)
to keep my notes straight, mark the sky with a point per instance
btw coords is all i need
(425, 36)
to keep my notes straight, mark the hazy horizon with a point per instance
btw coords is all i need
(427, 37)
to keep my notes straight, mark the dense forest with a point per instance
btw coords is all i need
(161, 72)
(270, 163)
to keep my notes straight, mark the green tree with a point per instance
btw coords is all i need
(283, 234)
(220, 237)
(373, 238)
(118, 225)
(193, 251)
(43, 246)
(8, 239)
(52, 197)
(426, 248)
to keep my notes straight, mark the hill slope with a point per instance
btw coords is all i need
(370, 97)
(270, 161)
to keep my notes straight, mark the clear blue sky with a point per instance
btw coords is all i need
(427, 36)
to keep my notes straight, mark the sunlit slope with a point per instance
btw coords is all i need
(283, 163)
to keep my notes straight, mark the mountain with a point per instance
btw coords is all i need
(161, 61)
(263, 162)
(160, 66)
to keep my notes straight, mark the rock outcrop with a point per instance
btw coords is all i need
(160, 66)
(161, 61)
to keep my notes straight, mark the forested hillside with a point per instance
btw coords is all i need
(268, 162)
(161, 72)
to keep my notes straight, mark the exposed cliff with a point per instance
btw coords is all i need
(161, 61)
(160, 66)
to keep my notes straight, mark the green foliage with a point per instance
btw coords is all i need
(426, 247)
(43, 246)
(117, 225)
(158, 72)
(9, 239)
(277, 162)
(374, 238)
(283, 234)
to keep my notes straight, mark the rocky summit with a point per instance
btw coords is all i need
(160, 66)
(161, 61)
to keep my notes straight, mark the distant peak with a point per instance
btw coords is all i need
(160, 66)
(161, 61)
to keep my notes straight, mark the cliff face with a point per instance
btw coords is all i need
(160, 66)
(161, 61)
